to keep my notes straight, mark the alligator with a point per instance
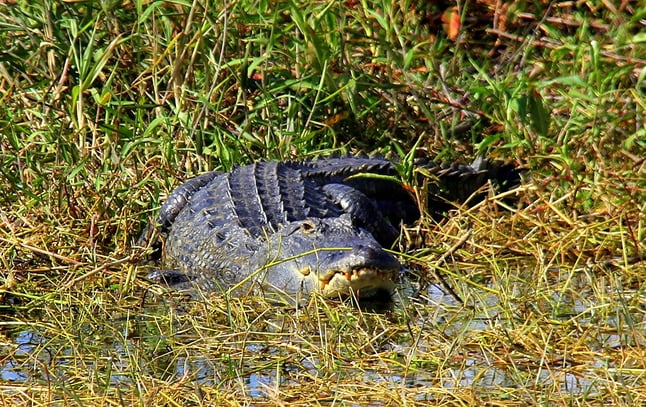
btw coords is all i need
(287, 229)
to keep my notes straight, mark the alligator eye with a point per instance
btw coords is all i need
(308, 227)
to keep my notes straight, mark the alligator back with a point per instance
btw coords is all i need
(263, 197)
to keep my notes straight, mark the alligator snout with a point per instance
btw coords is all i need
(363, 256)
(362, 270)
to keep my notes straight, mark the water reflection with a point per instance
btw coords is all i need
(12, 370)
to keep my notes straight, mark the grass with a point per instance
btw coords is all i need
(107, 106)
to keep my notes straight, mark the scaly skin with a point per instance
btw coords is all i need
(299, 239)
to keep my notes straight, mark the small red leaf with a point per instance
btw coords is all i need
(451, 22)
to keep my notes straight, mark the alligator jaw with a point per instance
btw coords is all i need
(362, 281)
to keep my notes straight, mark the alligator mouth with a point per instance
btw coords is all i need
(363, 281)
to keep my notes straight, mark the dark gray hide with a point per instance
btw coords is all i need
(290, 228)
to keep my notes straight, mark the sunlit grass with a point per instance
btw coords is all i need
(535, 297)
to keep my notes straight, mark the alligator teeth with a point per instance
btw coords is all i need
(354, 274)
(360, 281)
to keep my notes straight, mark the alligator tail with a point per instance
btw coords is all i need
(448, 185)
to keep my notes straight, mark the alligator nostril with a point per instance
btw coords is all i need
(368, 249)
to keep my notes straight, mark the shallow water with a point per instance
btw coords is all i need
(135, 345)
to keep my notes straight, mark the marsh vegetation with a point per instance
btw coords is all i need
(536, 296)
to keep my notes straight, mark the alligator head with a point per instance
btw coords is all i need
(329, 255)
